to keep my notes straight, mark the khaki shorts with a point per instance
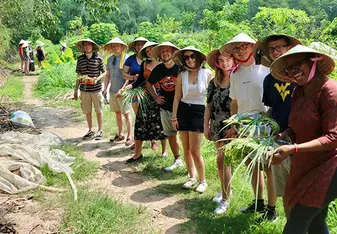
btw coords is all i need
(166, 117)
(89, 98)
(116, 104)
(280, 176)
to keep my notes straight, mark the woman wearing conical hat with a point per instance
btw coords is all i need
(188, 112)
(218, 110)
(148, 124)
(312, 182)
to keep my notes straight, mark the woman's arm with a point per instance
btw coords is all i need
(177, 98)
(207, 131)
(141, 79)
(126, 75)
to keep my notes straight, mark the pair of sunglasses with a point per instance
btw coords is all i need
(191, 56)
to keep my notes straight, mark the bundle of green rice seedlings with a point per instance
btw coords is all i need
(139, 93)
(253, 124)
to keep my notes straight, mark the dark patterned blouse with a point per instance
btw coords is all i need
(313, 117)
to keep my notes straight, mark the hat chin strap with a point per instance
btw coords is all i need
(314, 67)
(244, 61)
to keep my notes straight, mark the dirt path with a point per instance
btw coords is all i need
(117, 178)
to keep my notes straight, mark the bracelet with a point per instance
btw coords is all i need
(296, 148)
(156, 97)
(174, 120)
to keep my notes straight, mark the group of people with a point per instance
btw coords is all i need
(276, 75)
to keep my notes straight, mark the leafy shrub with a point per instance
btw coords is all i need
(5, 37)
(101, 33)
(60, 79)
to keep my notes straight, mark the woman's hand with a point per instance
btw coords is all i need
(207, 132)
(175, 124)
(128, 87)
(281, 153)
(160, 100)
(75, 94)
(231, 133)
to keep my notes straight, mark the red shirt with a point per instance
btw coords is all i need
(313, 117)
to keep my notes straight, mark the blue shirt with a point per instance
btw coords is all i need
(116, 78)
(133, 64)
(277, 95)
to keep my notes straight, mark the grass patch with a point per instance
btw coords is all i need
(83, 169)
(13, 87)
(95, 212)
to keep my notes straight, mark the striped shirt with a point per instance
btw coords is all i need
(92, 67)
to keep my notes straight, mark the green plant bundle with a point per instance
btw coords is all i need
(141, 95)
(253, 124)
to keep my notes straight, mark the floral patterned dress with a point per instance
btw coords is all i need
(148, 124)
(313, 117)
(220, 109)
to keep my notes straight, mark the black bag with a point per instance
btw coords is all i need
(31, 66)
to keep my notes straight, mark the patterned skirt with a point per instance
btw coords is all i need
(148, 124)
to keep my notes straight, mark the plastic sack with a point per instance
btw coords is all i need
(22, 119)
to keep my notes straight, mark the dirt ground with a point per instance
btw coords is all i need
(117, 178)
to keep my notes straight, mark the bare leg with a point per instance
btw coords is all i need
(163, 147)
(138, 149)
(187, 154)
(270, 188)
(127, 116)
(173, 141)
(119, 123)
(224, 172)
(135, 106)
(195, 148)
(100, 121)
(261, 183)
(89, 120)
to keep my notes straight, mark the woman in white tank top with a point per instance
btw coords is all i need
(188, 111)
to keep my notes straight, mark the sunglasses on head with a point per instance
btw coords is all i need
(192, 56)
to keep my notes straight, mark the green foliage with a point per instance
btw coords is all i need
(60, 79)
(96, 212)
(282, 20)
(14, 87)
(5, 37)
(101, 33)
(329, 34)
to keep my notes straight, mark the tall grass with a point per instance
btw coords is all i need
(14, 87)
(59, 79)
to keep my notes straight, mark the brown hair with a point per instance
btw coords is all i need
(199, 62)
(219, 74)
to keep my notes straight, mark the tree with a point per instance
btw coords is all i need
(101, 33)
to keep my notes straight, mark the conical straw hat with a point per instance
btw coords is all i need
(142, 52)
(178, 55)
(325, 66)
(115, 40)
(261, 52)
(132, 45)
(79, 45)
(228, 47)
(156, 50)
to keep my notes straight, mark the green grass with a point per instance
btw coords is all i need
(13, 87)
(83, 169)
(95, 212)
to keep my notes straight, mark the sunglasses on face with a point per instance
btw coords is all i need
(278, 48)
(295, 66)
(191, 56)
(237, 49)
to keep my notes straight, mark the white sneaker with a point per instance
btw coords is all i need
(222, 207)
(201, 187)
(176, 163)
(190, 183)
(217, 198)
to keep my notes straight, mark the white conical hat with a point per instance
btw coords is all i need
(228, 47)
(142, 52)
(156, 50)
(79, 45)
(325, 66)
(21, 42)
(178, 55)
(261, 52)
(116, 40)
(132, 45)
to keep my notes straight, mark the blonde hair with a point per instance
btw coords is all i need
(219, 73)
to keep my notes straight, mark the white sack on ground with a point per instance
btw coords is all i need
(22, 154)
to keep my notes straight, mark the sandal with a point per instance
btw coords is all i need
(117, 138)
(128, 142)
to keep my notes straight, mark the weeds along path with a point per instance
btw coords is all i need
(115, 177)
